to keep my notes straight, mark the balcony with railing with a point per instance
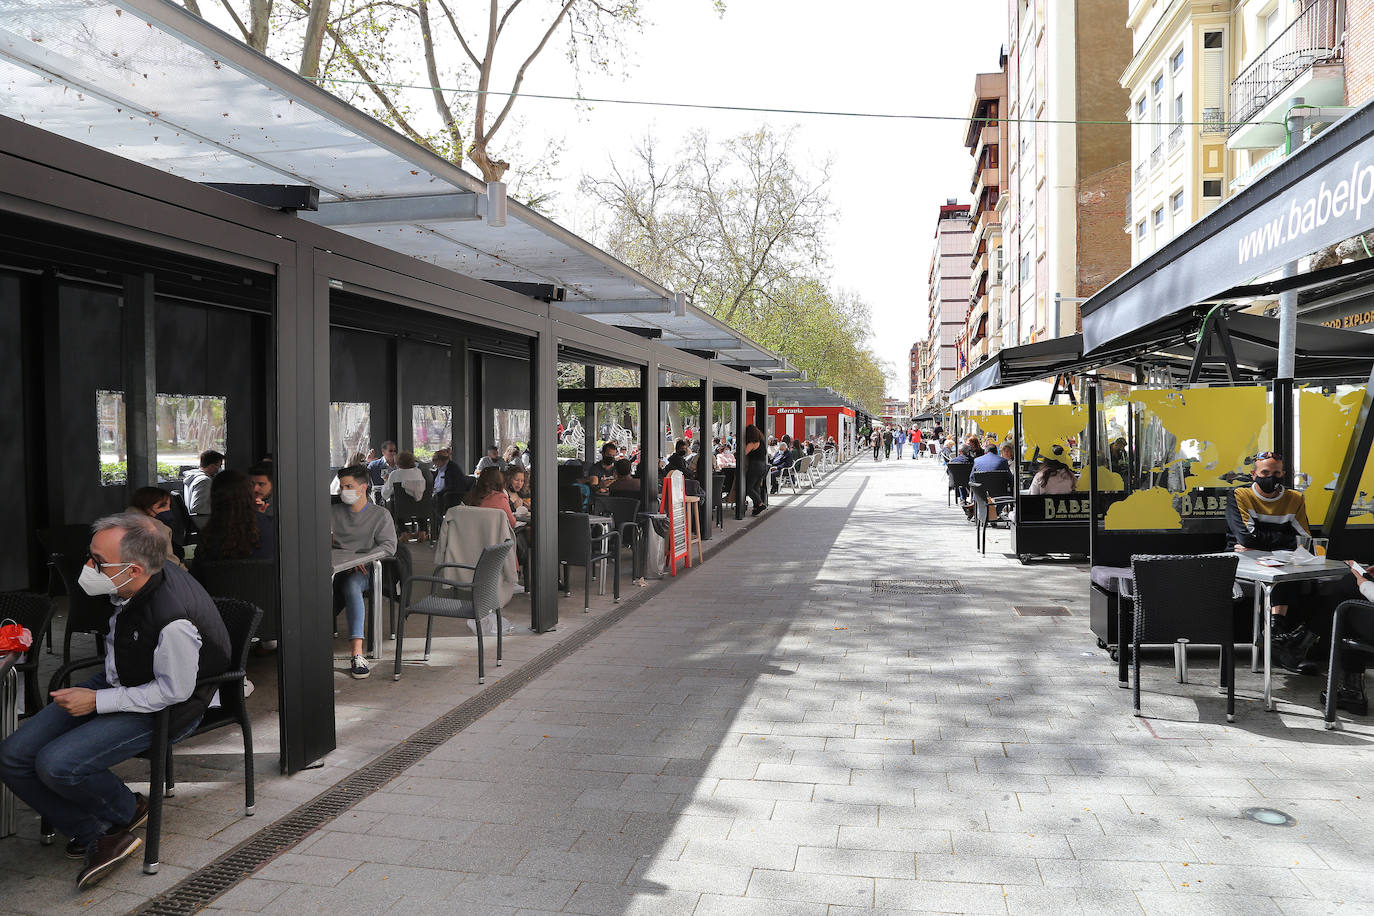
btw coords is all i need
(1176, 137)
(1304, 60)
(1157, 155)
(1140, 173)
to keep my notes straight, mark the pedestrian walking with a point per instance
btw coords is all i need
(877, 442)
(917, 445)
(899, 440)
(887, 444)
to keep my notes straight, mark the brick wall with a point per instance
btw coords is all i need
(1104, 250)
(1359, 51)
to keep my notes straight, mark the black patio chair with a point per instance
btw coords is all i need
(396, 569)
(718, 491)
(253, 581)
(624, 509)
(991, 490)
(578, 547)
(572, 498)
(1343, 644)
(241, 619)
(464, 601)
(34, 612)
(67, 548)
(1184, 599)
(406, 509)
(957, 474)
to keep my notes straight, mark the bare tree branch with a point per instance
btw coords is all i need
(458, 33)
(455, 134)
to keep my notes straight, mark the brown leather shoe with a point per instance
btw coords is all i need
(76, 851)
(104, 854)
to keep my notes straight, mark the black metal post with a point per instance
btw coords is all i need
(1283, 425)
(402, 434)
(590, 452)
(306, 664)
(740, 461)
(1091, 459)
(1352, 469)
(543, 579)
(706, 457)
(140, 382)
(50, 318)
(650, 435)
(458, 397)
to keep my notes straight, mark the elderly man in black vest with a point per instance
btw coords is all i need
(165, 633)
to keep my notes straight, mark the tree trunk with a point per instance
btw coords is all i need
(314, 38)
(259, 14)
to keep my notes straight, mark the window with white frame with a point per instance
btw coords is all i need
(1140, 230)
(1157, 218)
(1176, 62)
(1176, 201)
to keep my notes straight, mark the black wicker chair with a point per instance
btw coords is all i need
(253, 581)
(469, 601)
(34, 612)
(624, 509)
(957, 474)
(1184, 599)
(1344, 644)
(577, 547)
(991, 490)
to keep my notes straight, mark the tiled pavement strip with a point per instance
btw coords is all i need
(770, 736)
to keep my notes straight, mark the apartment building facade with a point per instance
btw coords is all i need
(1068, 167)
(986, 321)
(914, 378)
(1211, 85)
(948, 284)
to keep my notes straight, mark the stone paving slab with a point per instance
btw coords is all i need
(772, 736)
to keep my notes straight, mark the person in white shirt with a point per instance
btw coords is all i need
(407, 476)
(492, 459)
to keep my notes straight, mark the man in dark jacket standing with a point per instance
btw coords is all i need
(165, 633)
(887, 443)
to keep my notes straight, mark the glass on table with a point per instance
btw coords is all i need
(1319, 545)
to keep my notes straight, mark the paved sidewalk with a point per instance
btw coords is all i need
(771, 736)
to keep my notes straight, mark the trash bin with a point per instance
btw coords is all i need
(655, 528)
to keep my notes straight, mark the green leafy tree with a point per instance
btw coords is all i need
(739, 226)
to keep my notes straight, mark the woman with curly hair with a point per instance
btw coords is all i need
(237, 530)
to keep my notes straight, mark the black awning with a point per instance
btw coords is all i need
(1321, 352)
(1321, 195)
(1027, 363)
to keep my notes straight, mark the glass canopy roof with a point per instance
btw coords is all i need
(146, 80)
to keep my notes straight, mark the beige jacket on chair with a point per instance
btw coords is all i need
(463, 534)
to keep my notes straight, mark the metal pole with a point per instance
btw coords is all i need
(1288, 300)
(706, 460)
(544, 460)
(140, 381)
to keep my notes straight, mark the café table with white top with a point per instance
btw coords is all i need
(344, 560)
(1264, 579)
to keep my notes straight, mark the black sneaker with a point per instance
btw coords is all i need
(358, 669)
(104, 855)
(1292, 651)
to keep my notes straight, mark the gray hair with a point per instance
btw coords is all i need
(143, 541)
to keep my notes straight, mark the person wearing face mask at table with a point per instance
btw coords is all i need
(358, 526)
(165, 634)
(157, 505)
(1268, 516)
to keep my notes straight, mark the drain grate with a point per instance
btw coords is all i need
(918, 586)
(196, 891)
(1040, 610)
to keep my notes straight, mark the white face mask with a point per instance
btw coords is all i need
(96, 583)
(350, 496)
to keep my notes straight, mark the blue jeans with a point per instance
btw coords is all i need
(353, 584)
(59, 765)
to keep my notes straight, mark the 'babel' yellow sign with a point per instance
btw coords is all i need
(1065, 508)
(1202, 505)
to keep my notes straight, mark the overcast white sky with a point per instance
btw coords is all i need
(873, 55)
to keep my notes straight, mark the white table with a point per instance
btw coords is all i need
(343, 561)
(9, 721)
(1264, 579)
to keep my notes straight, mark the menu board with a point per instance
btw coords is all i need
(674, 505)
